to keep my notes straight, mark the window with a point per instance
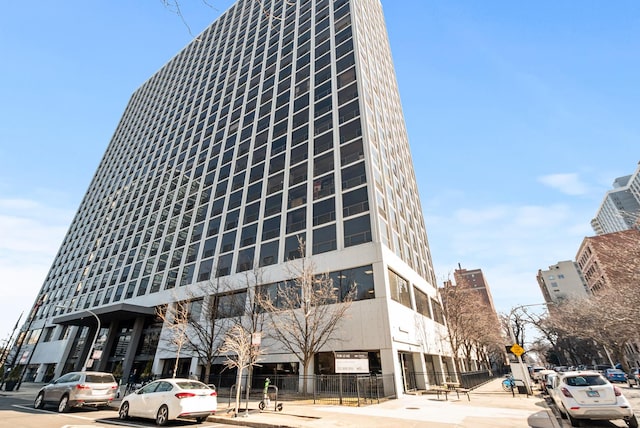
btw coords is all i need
(296, 220)
(357, 231)
(209, 248)
(228, 241)
(269, 253)
(292, 249)
(324, 239)
(204, 272)
(324, 211)
(245, 259)
(438, 314)
(273, 204)
(323, 164)
(323, 186)
(297, 196)
(359, 280)
(271, 228)
(422, 302)
(224, 265)
(399, 288)
(231, 305)
(353, 176)
(355, 202)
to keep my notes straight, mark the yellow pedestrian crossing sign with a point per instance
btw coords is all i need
(517, 350)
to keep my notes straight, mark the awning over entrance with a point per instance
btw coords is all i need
(120, 312)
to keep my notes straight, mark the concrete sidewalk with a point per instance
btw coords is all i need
(489, 407)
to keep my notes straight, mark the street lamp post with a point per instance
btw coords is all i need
(95, 339)
(95, 336)
(525, 372)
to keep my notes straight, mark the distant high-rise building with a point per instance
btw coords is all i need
(562, 281)
(474, 279)
(620, 209)
(281, 121)
(612, 259)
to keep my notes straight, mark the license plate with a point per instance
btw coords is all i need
(593, 394)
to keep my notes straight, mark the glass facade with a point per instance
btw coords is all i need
(281, 122)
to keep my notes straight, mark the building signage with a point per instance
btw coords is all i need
(352, 362)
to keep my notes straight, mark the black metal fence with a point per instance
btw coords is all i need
(470, 380)
(344, 389)
(467, 380)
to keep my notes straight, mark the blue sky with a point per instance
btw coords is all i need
(520, 115)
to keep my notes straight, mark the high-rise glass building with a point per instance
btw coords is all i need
(620, 208)
(281, 121)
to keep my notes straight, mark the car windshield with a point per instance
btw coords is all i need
(585, 381)
(192, 385)
(99, 378)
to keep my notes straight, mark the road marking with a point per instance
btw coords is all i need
(110, 422)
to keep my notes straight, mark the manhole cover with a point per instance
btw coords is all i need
(413, 408)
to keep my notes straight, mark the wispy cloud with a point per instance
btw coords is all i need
(509, 242)
(31, 234)
(569, 184)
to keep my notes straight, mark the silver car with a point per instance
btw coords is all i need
(77, 389)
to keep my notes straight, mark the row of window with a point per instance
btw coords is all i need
(353, 284)
(325, 46)
(418, 300)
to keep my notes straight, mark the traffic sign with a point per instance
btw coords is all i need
(517, 350)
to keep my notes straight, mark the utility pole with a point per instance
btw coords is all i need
(32, 316)
(7, 349)
(525, 371)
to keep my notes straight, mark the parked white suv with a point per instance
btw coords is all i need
(588, 395)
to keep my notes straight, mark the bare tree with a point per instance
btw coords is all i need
(611, 267)
(205, 329)
(305, 312)
(241, 354)
(176, 319)
(473, 327)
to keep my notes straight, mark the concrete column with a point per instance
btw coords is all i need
(136, 334)
(112, 335)
(73, 332)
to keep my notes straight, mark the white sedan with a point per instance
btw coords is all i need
(170, 399)
(582, 395)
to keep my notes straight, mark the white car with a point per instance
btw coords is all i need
(170, 399)
(582, 395)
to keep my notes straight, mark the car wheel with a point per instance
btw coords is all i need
(39, 401)
(162, 417)
(201, 419)
(573, 421)
(63, 405)
(563, 414)
(630, 385)
(123, 413)
(632, 422)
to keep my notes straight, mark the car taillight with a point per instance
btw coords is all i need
(81, 386)
(617, 391)
(566, 392)
(214, 394)
(185, 394)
